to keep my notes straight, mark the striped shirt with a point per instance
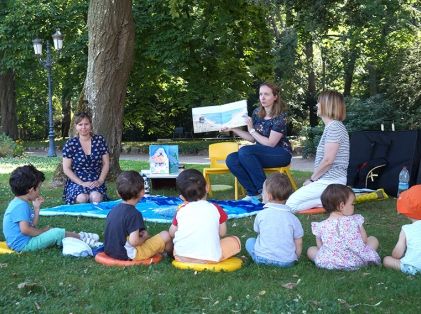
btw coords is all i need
(334, 132)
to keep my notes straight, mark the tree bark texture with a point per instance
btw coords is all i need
(110, 60)
(9, 122)
(311, 83)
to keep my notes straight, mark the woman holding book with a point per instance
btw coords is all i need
(267, 128)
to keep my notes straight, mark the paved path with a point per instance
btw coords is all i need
(297, 163)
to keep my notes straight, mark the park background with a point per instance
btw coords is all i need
(152, 61)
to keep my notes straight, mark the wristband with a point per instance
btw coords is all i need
(252, 131)
(311, 180)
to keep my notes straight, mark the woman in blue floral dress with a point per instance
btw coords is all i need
(85, 163)
(268, 129)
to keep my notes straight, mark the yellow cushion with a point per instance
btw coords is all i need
(230, 264)
(4, 249)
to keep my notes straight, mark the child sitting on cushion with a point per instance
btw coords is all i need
(20, 220)
(406, 256)
(280, 234)
(125, 236)
(199, 226)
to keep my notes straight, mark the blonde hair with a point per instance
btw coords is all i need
(332, 105)
(278, 105)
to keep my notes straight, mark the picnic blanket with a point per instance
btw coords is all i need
(159, 209)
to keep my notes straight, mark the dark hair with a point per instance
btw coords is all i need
(129, 184)
(191, 185)
(278, 106)
(22, 179)
(334, 195)
(80, 116)
(278, 186)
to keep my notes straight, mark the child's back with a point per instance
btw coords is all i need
(121, 221)
(413, 244)
(198, 230)
(342, 241)
(277, 228)
(198, 225)
(343, 246)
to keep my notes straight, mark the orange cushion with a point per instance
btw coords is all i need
(104, 259)
(311, 211)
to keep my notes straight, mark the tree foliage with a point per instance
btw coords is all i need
(192, 53)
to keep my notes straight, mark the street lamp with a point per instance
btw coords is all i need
(48, 64)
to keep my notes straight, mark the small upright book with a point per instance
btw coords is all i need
(214, 118)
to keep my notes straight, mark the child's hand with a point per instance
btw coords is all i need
(143, 234)
(37, 202)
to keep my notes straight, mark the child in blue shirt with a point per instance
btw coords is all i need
(279, 241)
(20, 220)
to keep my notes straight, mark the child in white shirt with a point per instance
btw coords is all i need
(406, 256)
(199, 226)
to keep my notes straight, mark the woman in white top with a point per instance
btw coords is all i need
(332, 156)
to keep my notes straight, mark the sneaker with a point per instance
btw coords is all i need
(87, 235)
(255, 199)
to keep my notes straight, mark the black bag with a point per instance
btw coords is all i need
(369, 173)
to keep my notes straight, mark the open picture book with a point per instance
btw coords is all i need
(214, 118)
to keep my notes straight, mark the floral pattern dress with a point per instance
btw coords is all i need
(342, 244)
(86, 167)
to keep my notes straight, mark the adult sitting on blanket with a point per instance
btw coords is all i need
(332, 155)
(85, 163)
(268, 129)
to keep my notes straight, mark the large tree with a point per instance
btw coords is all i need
(110, 59)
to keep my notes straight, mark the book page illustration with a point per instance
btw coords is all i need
(214, 118)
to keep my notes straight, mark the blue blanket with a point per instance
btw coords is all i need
(153, 208)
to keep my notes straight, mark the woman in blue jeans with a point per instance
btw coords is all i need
(267, 128)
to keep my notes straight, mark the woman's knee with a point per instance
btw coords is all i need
(82, 198)
(232, 160)
(95, 197)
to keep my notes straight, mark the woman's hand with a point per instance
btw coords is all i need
(249, 123)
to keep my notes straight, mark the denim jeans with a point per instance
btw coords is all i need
(262, 260)
(247, 165)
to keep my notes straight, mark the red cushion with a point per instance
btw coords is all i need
(311, 211)
(104, 259)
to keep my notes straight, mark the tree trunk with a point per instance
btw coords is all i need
(349, 68)
(66, 111)
(110, 60)
(310, 101)
(9, 122)
(372, 79)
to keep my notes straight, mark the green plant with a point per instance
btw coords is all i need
(370, 113)
(9, 148)
(312, 137)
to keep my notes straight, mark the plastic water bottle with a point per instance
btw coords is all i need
(403, 180)
(147, 184)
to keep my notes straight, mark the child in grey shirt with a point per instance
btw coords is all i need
(279, 241)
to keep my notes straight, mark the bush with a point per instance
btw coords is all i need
(370, 113)
(9, 148)
(312, 137)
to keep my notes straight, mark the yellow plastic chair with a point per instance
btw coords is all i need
(218, 153)
(285, 170)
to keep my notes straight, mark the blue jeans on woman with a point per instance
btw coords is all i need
(247, 165)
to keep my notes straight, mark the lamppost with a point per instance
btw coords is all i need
(48, 64)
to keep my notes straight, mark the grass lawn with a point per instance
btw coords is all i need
(48, 282)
